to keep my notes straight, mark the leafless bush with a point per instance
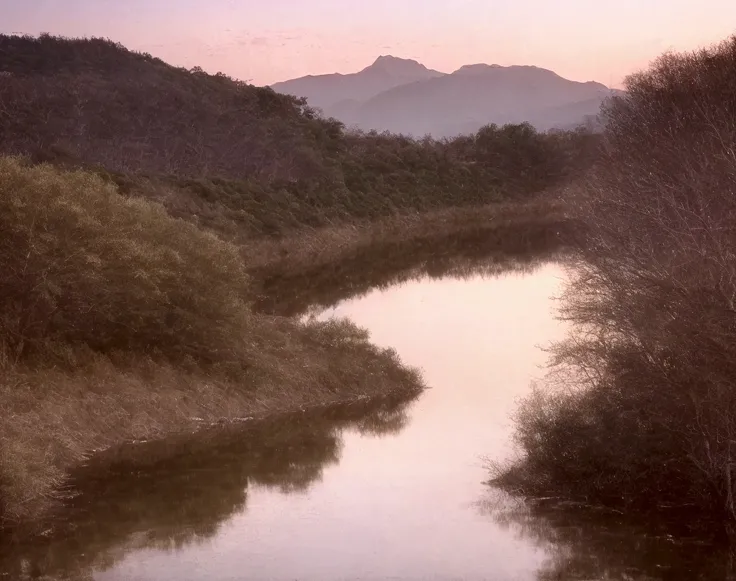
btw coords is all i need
(648, 414)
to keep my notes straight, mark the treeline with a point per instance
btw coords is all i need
(246, 160)
(96, 102)
(642, 412)
(125, 316)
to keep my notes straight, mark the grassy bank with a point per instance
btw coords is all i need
(182, 490)
(120, 322)
(158, 216)
(319, 268)
(641, 410)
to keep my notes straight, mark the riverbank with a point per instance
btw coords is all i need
(122, 323)
(318, 268)
(200, 476)
(54, 419)
(639, 413)
(194, 506)
(149, 250)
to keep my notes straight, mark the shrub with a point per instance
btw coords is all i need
(84, 265)
(648, 411)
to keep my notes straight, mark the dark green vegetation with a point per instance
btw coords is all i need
(146, 209)
(642, 411)
(247, 161)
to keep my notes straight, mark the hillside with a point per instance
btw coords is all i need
(242, 160)
(461, 102)
(95, 100)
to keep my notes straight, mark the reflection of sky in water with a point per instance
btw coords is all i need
(403, 506)
(323, 496)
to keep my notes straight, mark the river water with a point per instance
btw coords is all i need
(393, 490)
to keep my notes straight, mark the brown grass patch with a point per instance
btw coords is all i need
(119, 322)
(321, 267)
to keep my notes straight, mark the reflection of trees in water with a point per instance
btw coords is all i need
(384, 422)
(585, 543)
(295, 458)
(167, 494)
(492, 251)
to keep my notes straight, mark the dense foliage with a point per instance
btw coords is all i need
(83, 264)
(246, 160)
(118, 321)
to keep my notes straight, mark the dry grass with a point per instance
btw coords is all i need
(314, 247)
(321, 267)
(119, 322)
(52, 418)
(183, 489)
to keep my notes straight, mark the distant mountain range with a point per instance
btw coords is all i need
(404, 96)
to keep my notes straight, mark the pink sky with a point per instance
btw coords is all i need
(265, 41)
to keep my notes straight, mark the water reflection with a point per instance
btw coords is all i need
(500, 250)
(314, 496)
(588, 543)
(168, 494)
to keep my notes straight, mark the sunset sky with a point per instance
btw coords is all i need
(264, 41)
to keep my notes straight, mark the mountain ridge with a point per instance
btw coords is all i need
(326, 90)
(415, 100)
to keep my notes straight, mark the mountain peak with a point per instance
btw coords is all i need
(388, 59)
(396, 66)
(404, 96)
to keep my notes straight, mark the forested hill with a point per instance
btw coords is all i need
(242, 159)
(96, 100)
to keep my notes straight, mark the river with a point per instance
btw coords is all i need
(388, 490)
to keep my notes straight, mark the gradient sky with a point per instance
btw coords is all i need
(264, 41)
